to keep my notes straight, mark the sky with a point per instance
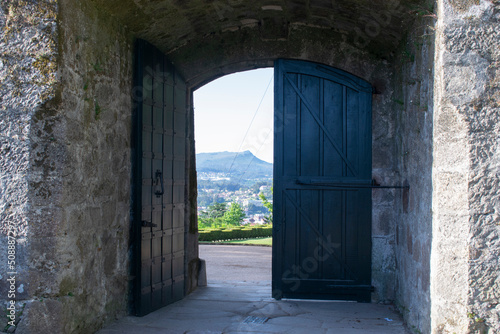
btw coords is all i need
(224, 109)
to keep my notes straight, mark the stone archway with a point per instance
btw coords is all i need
(66, 70)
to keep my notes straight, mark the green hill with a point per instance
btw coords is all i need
(236, 164)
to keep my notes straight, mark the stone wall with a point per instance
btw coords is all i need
(466, 204)
(78, 122)
(28, 81)
(413, 97)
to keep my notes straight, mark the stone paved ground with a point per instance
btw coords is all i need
(224, 308)
(229, 306)
(237, 263)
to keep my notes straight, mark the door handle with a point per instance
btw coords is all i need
(159, 182)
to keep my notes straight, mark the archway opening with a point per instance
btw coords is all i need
(234, 160)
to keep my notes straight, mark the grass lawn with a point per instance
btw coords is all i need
(258, 241)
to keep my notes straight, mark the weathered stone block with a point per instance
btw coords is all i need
(42, 316)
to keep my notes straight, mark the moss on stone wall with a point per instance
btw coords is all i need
(464, 5)
(38, 20)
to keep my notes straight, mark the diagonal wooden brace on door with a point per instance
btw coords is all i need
(321, 125)
(320, 236)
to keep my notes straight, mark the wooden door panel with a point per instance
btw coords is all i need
(160, 133)
(322, 229)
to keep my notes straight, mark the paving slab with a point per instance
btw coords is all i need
(230, 307)
(238, 299)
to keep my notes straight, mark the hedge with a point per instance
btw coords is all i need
(235, 233)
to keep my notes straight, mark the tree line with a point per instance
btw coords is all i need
(220, 215)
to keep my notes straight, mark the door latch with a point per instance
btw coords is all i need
(147, 224)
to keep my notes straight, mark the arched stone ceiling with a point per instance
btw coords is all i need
(199, 35)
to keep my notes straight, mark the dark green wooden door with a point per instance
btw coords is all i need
(159, 172)
(322, 175)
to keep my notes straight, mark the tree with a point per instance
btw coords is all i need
(213, 217)
(204, 222)
(268, 219)
(235, 215)
(218, 216)
(217, 210)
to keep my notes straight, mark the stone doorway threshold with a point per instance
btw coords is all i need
(230, 306)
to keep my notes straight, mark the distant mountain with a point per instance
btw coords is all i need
(245, 163)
